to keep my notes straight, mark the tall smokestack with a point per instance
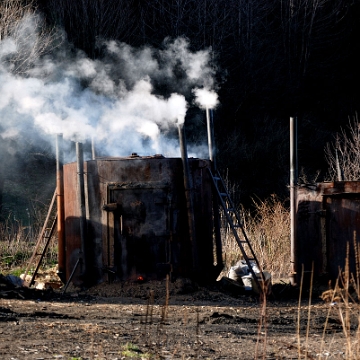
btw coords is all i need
(60, 208)
(188, 194)
(93, 151)
(217, 225)
(210, 133)
(81, 202)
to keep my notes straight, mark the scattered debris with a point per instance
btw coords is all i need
(241, 274)
(11, 288)
(44, 280)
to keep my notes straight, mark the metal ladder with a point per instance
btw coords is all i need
(233, 219)
(44, 240)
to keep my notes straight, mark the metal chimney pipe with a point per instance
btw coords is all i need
(210, 133)
(188, 194)
(60, 208)
(217, 226)
(93, 153)
(81, 202)
(293, 206)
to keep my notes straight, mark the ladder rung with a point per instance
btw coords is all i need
(232, 217)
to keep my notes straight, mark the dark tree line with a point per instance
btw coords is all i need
(265, 47)
(275, 59)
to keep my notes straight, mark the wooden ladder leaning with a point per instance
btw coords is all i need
(235, 224)
(42, 242)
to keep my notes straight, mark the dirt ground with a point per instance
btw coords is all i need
(165, 320)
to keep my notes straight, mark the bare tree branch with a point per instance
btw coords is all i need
(344, 154)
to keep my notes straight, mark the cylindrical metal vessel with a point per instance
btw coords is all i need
(137, 220)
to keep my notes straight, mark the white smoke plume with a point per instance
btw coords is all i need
(113, 100)
(206, 98)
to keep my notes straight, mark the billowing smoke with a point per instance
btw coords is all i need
(129, 101)
(206, 98)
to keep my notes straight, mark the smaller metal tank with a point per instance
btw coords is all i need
(136, 220)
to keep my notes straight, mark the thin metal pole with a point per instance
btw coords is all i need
(93, 152)
(210, 134)
(211, 142)
(71, 276)
(81, 200)
(293, 206)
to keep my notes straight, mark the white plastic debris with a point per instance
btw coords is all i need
(240, 272)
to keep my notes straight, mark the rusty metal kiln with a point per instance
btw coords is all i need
(136, 217)
(134, 221)
(328, 228)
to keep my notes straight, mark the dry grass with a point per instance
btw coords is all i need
(17, 244)
(268, 230)
(344, 301)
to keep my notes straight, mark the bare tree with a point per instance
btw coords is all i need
(308, 28)
(343, 156)
(24, 38)
(11, 13)
(88, 21)
(21, 26)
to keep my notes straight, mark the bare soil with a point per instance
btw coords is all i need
(167, 320)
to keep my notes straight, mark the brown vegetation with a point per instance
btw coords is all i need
(268, 229)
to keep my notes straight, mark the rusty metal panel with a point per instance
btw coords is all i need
(310, 247)
(94, 200)
(340, 187)
(72, 222)
(342, 230)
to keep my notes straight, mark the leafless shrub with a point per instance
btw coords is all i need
(343, 156)
(11, 13)
(268, 230)
(344, 302)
